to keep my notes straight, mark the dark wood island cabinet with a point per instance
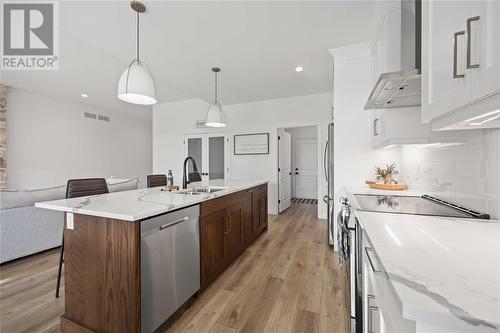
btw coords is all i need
(227, 226)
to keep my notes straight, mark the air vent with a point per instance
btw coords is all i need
(90, 115)
(96, 116)
(200, 124)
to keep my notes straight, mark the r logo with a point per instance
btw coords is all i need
(28, 29)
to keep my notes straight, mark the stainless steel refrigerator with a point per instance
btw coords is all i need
(328, 167)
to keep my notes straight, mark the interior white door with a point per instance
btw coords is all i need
(306, 168)
(285, 170)
(211, 154)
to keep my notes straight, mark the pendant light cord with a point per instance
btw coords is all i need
(216, 88)
(137, 35)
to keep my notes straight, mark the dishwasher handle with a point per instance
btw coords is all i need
(174, 223)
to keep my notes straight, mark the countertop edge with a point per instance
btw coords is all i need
(139, 217)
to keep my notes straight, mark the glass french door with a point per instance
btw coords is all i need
(211, 154)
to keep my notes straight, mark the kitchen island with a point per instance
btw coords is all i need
(115, 279)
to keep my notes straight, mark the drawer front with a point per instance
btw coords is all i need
(386, 299)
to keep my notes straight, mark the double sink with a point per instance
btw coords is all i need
(199, 190)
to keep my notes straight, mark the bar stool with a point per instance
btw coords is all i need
(74, 189)
(156, 180)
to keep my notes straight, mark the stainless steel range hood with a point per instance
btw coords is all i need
(402, 88)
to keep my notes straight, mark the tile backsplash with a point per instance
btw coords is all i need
(467, 173)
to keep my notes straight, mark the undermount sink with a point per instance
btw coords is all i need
(207, 189)
(199, 190)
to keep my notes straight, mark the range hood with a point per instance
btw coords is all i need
(402, 88)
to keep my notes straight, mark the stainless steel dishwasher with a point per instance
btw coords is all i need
(170, 264)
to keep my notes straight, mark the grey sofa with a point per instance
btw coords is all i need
(25, 229)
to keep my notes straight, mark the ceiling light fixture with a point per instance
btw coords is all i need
(479, 120)
(84, 95)
(299, 69)
(136, 83)
(215, 114)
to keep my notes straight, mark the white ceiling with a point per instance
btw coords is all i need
(257, 45)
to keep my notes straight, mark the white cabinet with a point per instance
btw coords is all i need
(483, 28)
(399, 126)
(460, 57)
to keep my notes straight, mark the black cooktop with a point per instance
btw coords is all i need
(416, 205)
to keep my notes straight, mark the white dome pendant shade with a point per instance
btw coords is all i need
(215, 114)
(136, 83)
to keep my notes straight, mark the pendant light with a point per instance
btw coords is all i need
(215, 115)
(136, 84)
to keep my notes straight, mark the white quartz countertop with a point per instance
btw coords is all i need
(143, 203)
(445, 271)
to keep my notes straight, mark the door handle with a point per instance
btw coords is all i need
(325, 166)
(469, 39)
(290, 173)
(455, 55)
(174, 223)
(296, 173)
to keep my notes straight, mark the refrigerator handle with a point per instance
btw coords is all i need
(325, 166)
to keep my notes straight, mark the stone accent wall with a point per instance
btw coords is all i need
(3, 136)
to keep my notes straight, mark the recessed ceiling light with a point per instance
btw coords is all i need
(84, 95)
(299, 69)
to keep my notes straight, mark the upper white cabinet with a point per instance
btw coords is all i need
(484, 36)
(460, 60)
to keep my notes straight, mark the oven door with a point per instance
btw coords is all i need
(357, 278)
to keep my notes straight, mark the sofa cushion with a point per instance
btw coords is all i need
(25, 198)
(127, 185)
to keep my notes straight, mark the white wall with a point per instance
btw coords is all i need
(354, 158)
(49, 141)
(467, 174)
(172, 120)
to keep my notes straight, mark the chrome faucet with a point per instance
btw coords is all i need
(194, 176)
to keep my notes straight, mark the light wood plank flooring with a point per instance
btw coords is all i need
(288, 280)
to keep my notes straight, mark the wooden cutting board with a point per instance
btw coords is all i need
(388, 187)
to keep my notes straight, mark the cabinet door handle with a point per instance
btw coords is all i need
(226, 225)
(372, 309)
(469, 42)
(455, 55)
(376, 126)
(368, 250)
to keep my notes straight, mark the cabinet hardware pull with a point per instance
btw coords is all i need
(325, 166)
(368, 250)
(174, 223)
(376, 125)
(371, 310)
(455, 51)
(469, 39)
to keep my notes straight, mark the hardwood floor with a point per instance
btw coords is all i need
(288, 280)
